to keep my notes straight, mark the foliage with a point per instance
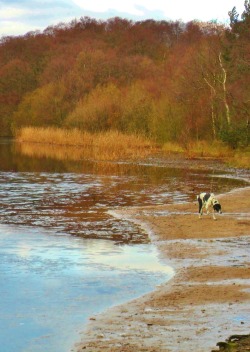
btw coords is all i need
(169, 81)
(236, 136)
(98, 111)
(237, 57)
(43, 107)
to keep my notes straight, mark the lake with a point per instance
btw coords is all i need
(63, 256)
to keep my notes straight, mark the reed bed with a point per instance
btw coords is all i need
(114, 145)
(109, 145)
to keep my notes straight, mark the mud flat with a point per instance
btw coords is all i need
(206, 301)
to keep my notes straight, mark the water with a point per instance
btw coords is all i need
(50, 281)
(50, 285)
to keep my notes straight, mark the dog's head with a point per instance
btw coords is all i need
(217, 206)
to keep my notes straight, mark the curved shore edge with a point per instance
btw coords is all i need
(208, 298)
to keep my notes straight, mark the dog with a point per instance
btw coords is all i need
(208, 200)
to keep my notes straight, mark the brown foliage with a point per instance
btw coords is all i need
(166, 77)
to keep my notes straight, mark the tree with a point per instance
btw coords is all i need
(236, 56)
(45, 106)
(16, 78)
(97, 111)
(136, 109)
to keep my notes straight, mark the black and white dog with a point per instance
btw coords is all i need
(208, 200)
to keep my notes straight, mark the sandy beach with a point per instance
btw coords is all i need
(206, 301)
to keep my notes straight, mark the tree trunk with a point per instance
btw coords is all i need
(224, 79)
(212, 95)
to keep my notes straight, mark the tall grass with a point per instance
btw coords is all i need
(209, 149)
(113, 145)
(199, 149)
(240, 159)
(102, 146)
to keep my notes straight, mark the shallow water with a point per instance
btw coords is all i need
(74, 197)
(51, 282)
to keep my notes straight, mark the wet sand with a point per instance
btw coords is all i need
(206, 301)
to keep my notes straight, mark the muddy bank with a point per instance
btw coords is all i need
(209, 297)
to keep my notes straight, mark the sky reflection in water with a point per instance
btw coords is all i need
(50, 284)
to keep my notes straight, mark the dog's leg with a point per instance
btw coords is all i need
(214, 216)
(208, 205)
(200, 207)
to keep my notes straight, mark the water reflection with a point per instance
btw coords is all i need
(74, 196)
(78, 203)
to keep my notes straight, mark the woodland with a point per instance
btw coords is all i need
(165, 80)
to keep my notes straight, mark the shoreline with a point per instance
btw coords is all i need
(208, 298)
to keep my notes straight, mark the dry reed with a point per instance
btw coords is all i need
(171, 147)
(199, 149)
(240, 159)
(111, 145)
(205, 149)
